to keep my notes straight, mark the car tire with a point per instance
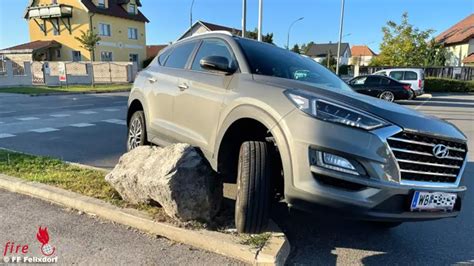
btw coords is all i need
(253, 188)
(386, 225)
(387, 96)
(136, 131)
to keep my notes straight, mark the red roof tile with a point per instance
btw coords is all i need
(461, 32)
(469, 59)
(153, 50)
(36, 45)
(362, 50)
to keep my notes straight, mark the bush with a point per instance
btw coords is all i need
(448, 85)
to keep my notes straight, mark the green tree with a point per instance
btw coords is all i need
(406, 45)
(330, 62)
(89, 41)
(296, 49)
(268, 38)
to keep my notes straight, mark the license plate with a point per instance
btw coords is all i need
(433, 201)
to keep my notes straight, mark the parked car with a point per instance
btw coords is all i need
(284, 127)
(413, 76)
(382, 87)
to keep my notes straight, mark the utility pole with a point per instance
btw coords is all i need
(289, 29)
(260, 18)
(244, 17)
(191, 14)
(340, 38)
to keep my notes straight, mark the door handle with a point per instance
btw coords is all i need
(183, 87)
(152, 80)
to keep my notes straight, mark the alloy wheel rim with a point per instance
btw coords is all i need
(135, 134)
(387, 96)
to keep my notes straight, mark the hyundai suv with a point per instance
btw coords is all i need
(282, 126)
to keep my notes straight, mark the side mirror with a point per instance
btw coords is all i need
(217, 63)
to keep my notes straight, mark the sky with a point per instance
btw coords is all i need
(363, 19)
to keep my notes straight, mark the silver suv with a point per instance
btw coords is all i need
(282, 126)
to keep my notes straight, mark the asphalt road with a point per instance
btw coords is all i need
(85, 240)
(315, 238)
(88, 129)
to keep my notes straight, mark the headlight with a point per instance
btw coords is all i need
(334, 112)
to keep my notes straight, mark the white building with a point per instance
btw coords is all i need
(322, 51)
(362, 55)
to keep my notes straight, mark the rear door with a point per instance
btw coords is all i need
(411, 77)
(163, 81)
(199, 102)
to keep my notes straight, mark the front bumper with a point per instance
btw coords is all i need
(375, 195)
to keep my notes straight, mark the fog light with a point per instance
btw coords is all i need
(335, 162)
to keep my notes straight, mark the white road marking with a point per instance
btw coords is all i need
(111, 110)
(44, 130)
(82, 125)
(116, 121)
(60, 115)
(4, 135)
(87, 112)
(424, 102)
(27, 118)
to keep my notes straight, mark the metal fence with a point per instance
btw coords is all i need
(460, 73)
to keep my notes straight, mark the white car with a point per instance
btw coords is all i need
(413, 76)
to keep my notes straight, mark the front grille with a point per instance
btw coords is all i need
(414, 154)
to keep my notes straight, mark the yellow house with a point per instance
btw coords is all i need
(54, 24)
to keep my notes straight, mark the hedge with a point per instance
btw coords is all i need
(448, 85)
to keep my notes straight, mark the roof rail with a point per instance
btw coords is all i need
(207, 33)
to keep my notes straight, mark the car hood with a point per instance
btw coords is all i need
(406, 118)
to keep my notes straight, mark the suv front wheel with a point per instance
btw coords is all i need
(136, 131)
(253, 187)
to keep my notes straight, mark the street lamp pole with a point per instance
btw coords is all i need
(191, 14)
(340, 37)
(244, 17)
(260, 18)
(289, 29)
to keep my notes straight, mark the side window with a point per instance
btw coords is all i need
(410, 75)
(385, 81)
(359, 81)
(382, 73)
(162, 58)
(372, 80)
(398, 75)
(212, 47)
(180, 55)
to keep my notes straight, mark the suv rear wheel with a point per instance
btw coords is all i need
(136, 131)
(253, 187)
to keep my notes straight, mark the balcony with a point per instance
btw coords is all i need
(49, 11)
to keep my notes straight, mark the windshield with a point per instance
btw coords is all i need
(269, 60)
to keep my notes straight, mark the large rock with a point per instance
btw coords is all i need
(177, 177)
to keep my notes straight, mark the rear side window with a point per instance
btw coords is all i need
(212, 47)
(372, 80)
(162, 58)
(385, 81)
(398, 75)
(180, 55)
(410, 75)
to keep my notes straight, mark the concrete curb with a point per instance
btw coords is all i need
(275, 251)
(77, 93)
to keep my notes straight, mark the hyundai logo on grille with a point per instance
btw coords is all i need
(440, 151)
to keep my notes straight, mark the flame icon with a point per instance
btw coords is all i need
(43, 238)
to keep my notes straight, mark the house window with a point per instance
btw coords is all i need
(104, 29)
(76, 56)
(133, 58)
(101, 3)
(56, 30)
(54, 2)
(58, 53)
(133, 33)
(132, 9)
(106, 56)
